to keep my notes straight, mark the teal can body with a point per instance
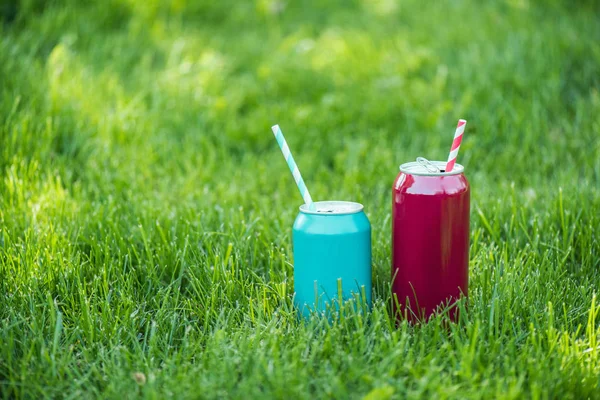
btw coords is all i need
(332, 256)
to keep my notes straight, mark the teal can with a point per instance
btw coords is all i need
(332, 256)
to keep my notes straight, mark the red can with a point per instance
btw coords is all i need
(430, 239)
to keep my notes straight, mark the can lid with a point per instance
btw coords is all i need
(333, 208)
(420, 168)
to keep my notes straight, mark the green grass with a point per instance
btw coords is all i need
(146, 212)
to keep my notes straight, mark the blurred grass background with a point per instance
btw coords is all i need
(146, 211)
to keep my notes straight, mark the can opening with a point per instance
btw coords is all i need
(416, 168)
(332, 208)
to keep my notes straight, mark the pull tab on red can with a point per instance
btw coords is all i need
(428, 165)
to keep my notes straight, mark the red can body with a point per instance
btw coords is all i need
(430, 239)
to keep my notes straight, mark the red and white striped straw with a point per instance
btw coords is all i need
(460, 129)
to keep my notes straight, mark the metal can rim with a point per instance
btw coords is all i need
(351, 207)
(415, 168)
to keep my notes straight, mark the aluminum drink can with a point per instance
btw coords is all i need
(430, 239)
(332, 256)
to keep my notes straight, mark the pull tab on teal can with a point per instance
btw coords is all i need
(332, 256)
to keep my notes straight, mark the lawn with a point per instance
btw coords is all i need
(146, 211)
